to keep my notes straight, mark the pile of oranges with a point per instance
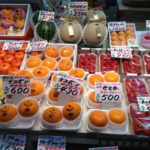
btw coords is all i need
(119, 38)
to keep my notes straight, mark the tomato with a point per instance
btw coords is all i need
(13, 71)
(11, 52)
(9, 58)
(19, 55)
(1, 61)
(2, 53)
(16, 63)
(4, 67)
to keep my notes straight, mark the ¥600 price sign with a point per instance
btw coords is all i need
(108, 92)
(121, 53)
(78, 8)
(16, 85)
(68, 85)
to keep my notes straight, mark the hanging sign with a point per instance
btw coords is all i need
(78, 8)
(16, 85)
(12, 142)
(46, 16)
(117, 26)
(51, 142)
(144, 103)
(68, 85)
(108, 91)
(121, 53)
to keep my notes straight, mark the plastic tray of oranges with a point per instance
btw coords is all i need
(120, 38)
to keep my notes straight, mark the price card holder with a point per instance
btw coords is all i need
(147, 24)
(108, 93)
(68, 85)
(12, 142)
(105, 148)
(47, 16)
(117, 26)
(16, 85)
(121, 53)
(36, 46)
(51, 142)
(144, 104)
(78, 8)
(13, 45)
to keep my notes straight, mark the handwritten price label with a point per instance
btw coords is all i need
(132, 43)
(16, 85)
(36, 46)
(148, 24)
(51, 143)
(13, 45)
(117, 26)
(78, 8)
(46, 16)
(121, 53)
(108, 92)
(12, 142)
(144, 103)
(68, 84)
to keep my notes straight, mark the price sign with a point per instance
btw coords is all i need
(117, 26)
(36, 46)
(16, 85)
(13, 45)
(51, 143)
(68, 84)
(144, 103)
(12, 142)
(46, 16)
(108, 92)
(105, 148)
(121, 53)
(78, 8)
(147, 24)
(132, 43)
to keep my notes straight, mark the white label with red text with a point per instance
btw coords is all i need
(46, 16)
(13, 45)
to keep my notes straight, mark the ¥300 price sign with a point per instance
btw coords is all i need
(117, 26)
(16, 85)
(108, 92)
(78, 8)
(121, 53)
(68, 85)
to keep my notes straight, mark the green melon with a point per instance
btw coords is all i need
(46, 30)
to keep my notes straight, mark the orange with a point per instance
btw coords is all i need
(117, 116)
(13, 71)
(130, 37)
(129, 28)
(33, 62)
(41, 71)
(49, 62)
(114, 38)
(122, 38)
(111, 77)
(52, 51)
(53, 94)
(26, 73)
(20, 22)
(65, 64)
(98, 118)
(1, 28)
(77, 72)
(54, 77)
(123, 43)
(7, 12)
(9, 20)
(129, 32)
(66, 52)
(122, 33)
(92, 97)
(115, 43)
(35, 53)
(36, 88)
(114, 33)
(95, 78)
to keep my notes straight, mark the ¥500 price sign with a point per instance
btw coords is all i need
(121, 53)
(108, 92)
(78, 8)
(16, 85)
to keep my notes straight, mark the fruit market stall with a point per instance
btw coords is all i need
(78, 76)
